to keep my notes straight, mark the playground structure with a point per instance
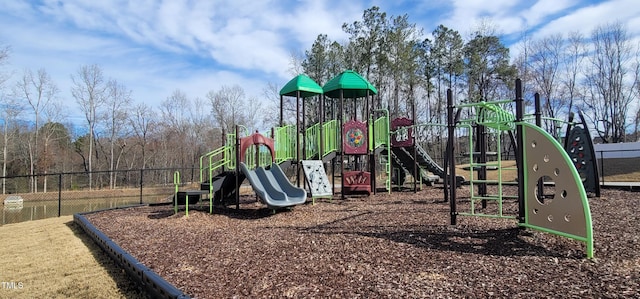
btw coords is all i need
(348, 134)
(542, 164)
(579, 145)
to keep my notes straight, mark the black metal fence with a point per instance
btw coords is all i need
(623, 166)
(31, 197)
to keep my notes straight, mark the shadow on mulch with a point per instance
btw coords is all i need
(128, 286)
(492, 242)
(231, 212)
(161, 214)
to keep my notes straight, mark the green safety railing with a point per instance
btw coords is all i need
(312, 141)
(285, 143)
(329, 137)
(263, 157)
(493, 116)
(213, 161)
(382, 137)
(381, 132)
(330, 133)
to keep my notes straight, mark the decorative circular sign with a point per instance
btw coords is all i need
(355, 137)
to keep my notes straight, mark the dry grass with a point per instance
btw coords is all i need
(509, 172)
(621, 169)
(53, 258)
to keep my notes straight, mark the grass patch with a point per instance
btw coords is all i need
(53, 258)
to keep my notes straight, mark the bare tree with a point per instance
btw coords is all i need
(10, 109)
(175, 112)
(295, 63)
(544, 66)
(52, 131)
(117, 104)
(38, 90)
(89, 90)
(201, 129)
(611, 81)
(573, 57)
(227, 106)
(142, 121)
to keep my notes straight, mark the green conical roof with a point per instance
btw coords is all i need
(352, 85)
(302, 83)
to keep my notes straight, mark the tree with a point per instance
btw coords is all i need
(316, 61)
(227, 106)
(611, 78)
(271, 93)
(4, 57)
(142, 121)
(573, 57)
(544, 66)
(446, 52)
(117, 104)
(89, 90)
(175, 115)
(486, 66)
(39, 91)
(10, 109)
(401, 45)
(56, 139)
(364, 53)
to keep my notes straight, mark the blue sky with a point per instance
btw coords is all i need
(155, 47)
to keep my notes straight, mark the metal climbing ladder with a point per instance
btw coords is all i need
(496, 119)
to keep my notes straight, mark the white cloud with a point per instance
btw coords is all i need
(542, 9)
(157, 46)
(587, 18)
(467, 14)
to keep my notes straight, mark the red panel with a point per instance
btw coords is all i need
(354, 137)
(404, 135)
(256, 139)
(356, 182)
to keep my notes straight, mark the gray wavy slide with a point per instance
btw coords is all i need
(273, 186)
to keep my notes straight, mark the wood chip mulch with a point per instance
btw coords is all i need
(394, 246)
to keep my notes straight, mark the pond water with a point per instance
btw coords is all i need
(35, 210)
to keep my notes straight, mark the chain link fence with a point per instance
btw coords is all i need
(32, 197)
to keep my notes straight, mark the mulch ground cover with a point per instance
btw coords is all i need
(397, 245)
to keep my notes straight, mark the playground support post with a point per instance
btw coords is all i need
(538, 116)
(60, 194)
(452, 169)
(299, 130)
(481, 149)
(341, 123)
(520, 149)
(415, 148)
(141, 184)
(387, 145)
(321, 119)
(372, 139)
(237, 178)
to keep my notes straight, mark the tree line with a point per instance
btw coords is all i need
(118, 134)
(598, 73)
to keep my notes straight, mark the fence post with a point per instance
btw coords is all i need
(141, 183)
(602, 166)
(59, 193)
